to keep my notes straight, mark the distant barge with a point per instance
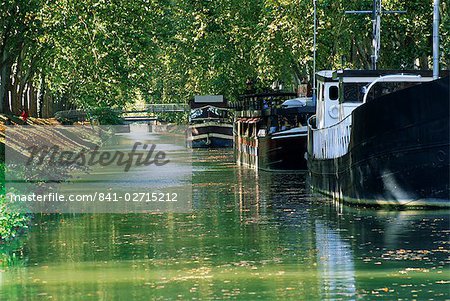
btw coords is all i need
(210, 124)
(270, 131)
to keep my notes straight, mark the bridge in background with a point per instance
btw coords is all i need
(141, 114)
(140, 119)
(161, 108)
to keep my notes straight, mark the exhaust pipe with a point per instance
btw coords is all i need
(436, 39)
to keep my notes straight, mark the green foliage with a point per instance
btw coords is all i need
(11, 223)
(173, 117)
(99, 53)
(106, 116)
(2, 179)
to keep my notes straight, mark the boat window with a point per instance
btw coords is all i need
(353, 92)
(384, 88)
(333, 92)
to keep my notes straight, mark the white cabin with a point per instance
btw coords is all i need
(327, 108)
(341, 92)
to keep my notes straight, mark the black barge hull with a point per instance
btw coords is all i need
(398, 153)
(283, 153)
(210, 135)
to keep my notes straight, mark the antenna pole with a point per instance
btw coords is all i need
(314, 96)
(376, 13)
(436, 39)
(376, 20)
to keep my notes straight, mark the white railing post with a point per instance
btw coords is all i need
(332, 142)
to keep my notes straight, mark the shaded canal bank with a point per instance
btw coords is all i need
(250, 236)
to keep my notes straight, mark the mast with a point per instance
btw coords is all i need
(376, 37)
(314, 96)
(376, 13)
(436, 39)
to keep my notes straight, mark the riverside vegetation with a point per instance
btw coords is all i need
(13, 223)
(105, 54)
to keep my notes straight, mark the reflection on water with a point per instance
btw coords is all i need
(250, 236)
(335, 263)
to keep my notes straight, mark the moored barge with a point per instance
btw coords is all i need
(210, 123)
(381, 138)
(270, 131)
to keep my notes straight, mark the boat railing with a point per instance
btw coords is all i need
(330, 142)
(262, 101)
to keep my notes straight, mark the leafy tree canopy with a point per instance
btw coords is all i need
(102, 53)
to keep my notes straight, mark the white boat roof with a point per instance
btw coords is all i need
(208, 98)
(326, 75)
(350, 75)
(295, 102)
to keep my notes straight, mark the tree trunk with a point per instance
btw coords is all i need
(25, 97)
(21, 96)
(5, 72)
(363, 55)
(40, 95)
(16, 95)
(32, 100)
(423, 61)
(11, 86)
(47, 106)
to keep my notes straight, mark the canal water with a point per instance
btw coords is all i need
(250, 236)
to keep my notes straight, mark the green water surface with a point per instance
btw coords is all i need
(250, 236)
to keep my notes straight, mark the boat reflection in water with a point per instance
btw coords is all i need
(304, 232)
(359, 252)
(334, 263)
(250, 236)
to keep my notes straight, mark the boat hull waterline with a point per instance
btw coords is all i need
(284, 151)
(211, 135)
